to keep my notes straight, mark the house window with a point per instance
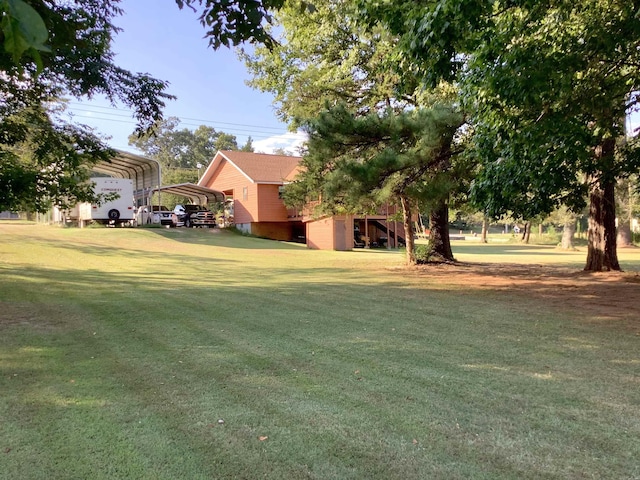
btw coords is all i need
(280, 191)
(245, 193)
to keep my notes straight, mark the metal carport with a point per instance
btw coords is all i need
(195, 193)
(145, 173)
(147, 179)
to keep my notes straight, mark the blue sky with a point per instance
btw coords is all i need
(160, 39)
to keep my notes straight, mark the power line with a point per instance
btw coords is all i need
(276, 129)
(254, 134)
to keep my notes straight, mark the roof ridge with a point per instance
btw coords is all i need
(258, 169)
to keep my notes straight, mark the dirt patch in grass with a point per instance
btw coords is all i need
(607, 297)
(42, 318)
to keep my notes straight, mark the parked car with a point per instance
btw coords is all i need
(194, 216)
(165, 216)
(156, 214)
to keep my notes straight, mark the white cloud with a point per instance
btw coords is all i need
(289, 142)
(633, 123)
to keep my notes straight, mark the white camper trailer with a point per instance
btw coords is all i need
(114, 212)
(118, 211)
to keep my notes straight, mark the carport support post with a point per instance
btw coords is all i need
(388, 229)
(366, 232)
(159, 183)
(395, 233)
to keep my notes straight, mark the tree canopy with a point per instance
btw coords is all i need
(184, 148)
(78, 60)
(54, 50)
(232, 22)
(341, 83)
(23, 30)
(356, 163)
(546, 86)
(42, 160)
(323, 58)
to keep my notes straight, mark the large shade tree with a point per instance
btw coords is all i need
(355, 159)
(325, 60)
(546, 85)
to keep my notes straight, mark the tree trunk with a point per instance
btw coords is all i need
(408, 230)
(483, 238)
(624, 235)
(439, 241)
(625, 207)
(602, 254)
(624, 194)
(526, 235)
(568, 232)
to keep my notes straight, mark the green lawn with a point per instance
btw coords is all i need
(537, 254)
(187, 354)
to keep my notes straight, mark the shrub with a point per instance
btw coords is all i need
(423, 253)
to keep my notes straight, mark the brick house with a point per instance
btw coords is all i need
(254, 182)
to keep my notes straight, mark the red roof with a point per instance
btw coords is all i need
(262, 167)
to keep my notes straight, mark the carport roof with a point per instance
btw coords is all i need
(196, 193)
(145, 172)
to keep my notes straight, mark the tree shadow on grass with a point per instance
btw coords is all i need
(133, 251)
(225, 238)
